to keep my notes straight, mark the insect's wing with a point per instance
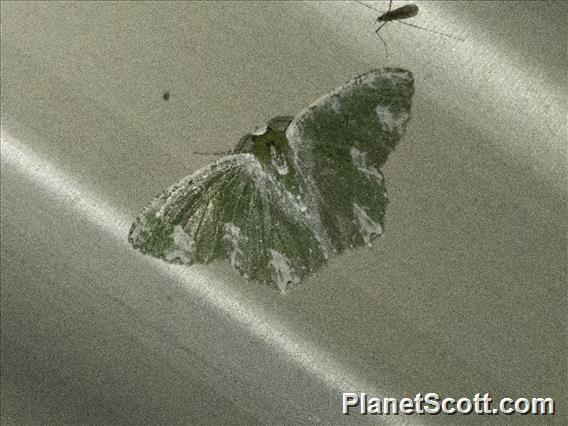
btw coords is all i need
(234, 209)
(340, 143)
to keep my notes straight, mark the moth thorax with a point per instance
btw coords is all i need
(269, 145)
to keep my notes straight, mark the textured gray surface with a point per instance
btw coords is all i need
(465, 293)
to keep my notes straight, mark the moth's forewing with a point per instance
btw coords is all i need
(233, 208)
(340, 142)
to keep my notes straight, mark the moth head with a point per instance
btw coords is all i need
(273, 134)
(269, 142)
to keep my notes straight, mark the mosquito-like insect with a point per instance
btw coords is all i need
(396, 15)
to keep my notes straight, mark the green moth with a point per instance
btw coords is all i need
(291, 193)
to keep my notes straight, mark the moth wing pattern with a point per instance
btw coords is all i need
(292, 192)
(340, 143)
(232, 209)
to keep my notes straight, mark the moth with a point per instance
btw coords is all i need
(292, 193)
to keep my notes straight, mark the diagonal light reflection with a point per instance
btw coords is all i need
(322, 365)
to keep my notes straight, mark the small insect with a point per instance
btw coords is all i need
(290, 194)
(396, 15)
(166, 95)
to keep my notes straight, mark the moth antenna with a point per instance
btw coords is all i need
(429, 30)
(213, 153)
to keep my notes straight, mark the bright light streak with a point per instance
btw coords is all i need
(257, 320)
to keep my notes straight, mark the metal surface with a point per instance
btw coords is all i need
(465, 293)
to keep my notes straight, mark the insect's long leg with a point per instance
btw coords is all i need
(428, 29)
(379, 36)
(380, 26)
(369, 6)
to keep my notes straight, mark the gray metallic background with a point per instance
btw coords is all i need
(465, 293)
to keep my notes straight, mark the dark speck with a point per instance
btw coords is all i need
(166, 95)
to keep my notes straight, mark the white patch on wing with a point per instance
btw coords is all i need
(359, 160)
(278, 161)
(183, 246)
(160, 203)
(137, 231)
(367, 227)
(310, 205)
(284, 273)
(335, 104)
(391, 122)
(232, 236)
(259, 131)
(272, 189)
